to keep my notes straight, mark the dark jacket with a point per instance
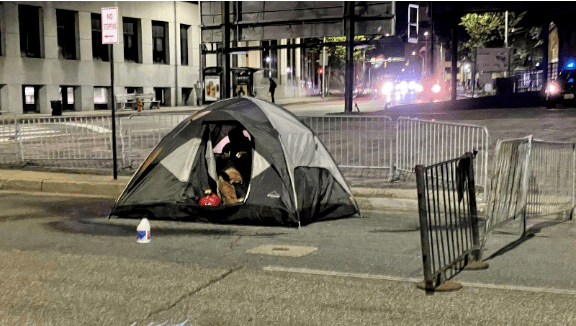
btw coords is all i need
(272, 85)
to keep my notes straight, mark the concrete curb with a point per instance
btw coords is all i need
(367, 198)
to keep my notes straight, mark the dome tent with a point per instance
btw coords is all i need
(294, 179)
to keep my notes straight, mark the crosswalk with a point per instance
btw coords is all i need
(8, 133)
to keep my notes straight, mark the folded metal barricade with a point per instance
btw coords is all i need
(552, 179)
(361, 142)
(9, 145)
(422, 142)
(448, 219)
(530, 178)
(508, 183)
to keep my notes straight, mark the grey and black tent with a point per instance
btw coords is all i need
(293, 180)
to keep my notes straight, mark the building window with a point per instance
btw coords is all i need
(30, 96)
(101, 98)
(132, 40)
(134, 90)
(99, 50)
(162, 95)
(187, 97)
(67, 97)
(66, 24)
(1, 40)
(31, 32)
(291, 63)
(270, 59)
(159, 42)
(184, 44)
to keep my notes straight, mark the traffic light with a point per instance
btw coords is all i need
(412, 23)
(320, 71)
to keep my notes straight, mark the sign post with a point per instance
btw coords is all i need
(110, 37)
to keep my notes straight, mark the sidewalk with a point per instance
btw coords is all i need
(166, 109)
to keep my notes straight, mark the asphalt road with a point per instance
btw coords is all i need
(65, 263)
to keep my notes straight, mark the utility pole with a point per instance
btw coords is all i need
(114, 154)
(225, 89)
(506, 41)
(110, 36)
(349, 77)
(323, 83)
(454, 68)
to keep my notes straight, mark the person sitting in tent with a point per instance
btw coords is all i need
(235, 165)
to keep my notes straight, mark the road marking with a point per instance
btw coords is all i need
(97, 129)
(415, 280)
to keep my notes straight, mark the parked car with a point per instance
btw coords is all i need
(561, 91)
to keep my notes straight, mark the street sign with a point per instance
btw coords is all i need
(110, 25)
(492, 59)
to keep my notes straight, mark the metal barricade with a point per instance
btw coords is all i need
(67, 141)
(144, 132)
(9, 146)
(552, 179)
(355, 142)
(448, 218)
(508, 183)
(421, 142)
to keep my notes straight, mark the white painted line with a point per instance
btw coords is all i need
(340, 274)
(98, 129)
(416, 280)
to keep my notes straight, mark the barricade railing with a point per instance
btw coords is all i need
(507, 198)
(356, 142)
(448, 218)
(144, 132)
(422, 142)
(66, 139)
(552, 180)
(9, 146)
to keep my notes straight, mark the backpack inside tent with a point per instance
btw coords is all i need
(266, 166)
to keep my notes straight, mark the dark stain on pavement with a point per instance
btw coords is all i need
(72, 208)
(409, 228)
(87, 227)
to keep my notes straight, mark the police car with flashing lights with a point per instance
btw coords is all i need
(561, 91)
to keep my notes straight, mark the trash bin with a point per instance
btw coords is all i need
(504, 85)
(56, 108)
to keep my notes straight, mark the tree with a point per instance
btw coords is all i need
(338, 53)
(487, 31)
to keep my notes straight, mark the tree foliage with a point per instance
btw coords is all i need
(338, 53)
(487, 30)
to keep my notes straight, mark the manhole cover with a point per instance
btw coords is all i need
(282, 250)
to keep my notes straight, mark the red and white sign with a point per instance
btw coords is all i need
(110, 25)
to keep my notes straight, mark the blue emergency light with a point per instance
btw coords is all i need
(571, 64)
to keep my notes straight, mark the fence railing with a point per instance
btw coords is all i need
(422, 142)
(356, 142)
(9, 131)
(509, 182)
(448, 218)
(359, 142)
(143, 132)
(552, 178)
(60, 139)
(528, 80)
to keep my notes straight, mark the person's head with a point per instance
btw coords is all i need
(238, 134)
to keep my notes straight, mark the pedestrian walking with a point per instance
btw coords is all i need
(272, 88)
